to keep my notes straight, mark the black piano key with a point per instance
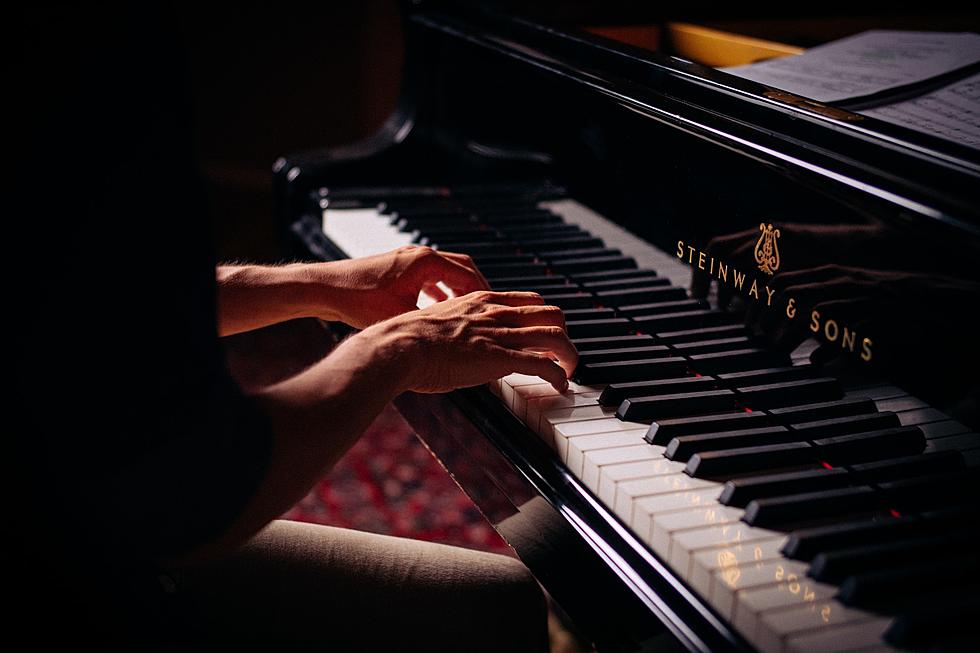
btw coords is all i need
(630, 353)
(639, 294)
(708, 346)
(942, 429)
(572, 266)
(564, 242)
(613, 275)
(928, 626)
(427, 224)
(615, 393)
(484, 249)
(663, 431)
(484, 260)
(719, 362)
(826, 428)
(524, 281)
(822, 410)
(613, 326)
(874, 445)
(551, 289)
(632, 370)
(521, 233)
(683, 320)
(702, 334)
(612, 342)
(738, 492)
(804, 544)
(834, 566)
(469, 230)
(659, 308)
(766, 375)
(935, 490)
(505, 220)
(591, 313)
(960, 442)
(789, 393)
(909, 467)
(683, 447)
(731, 462)
(513, 269)
(569, 300)
(783, 511)
(675, 405)
(882, 589)
(642, 281)
(447, 242)
(562, 255)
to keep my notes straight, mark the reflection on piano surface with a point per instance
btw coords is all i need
(768, 442)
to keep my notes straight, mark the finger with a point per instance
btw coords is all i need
(435, 292)
(467, 262)
(528, 316)
(550, 339)
(457, 276)
(525, 362)
(512, 298)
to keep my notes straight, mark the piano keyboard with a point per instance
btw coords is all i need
(810, 516)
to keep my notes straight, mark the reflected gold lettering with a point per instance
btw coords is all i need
(866, 349)
(815, 321)
(700, 260)
(769, 294)
(791, 308)
(754, 290)
(680, 249)
(825, 614)
(830, 330)
(739, 279)
(848, 339)
(722, 271)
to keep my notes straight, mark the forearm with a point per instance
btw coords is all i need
(254, 296)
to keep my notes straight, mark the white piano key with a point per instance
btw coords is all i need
(645, 509)
(846, 639)
(628, 492)
(596, 460)
(611, 475)
(515, 380)
(705, 563)
(666, 526)
(593, 426)
(752, 603)
(685, 543)
(550, 418)
(567, 431)
(540, 411)
(576, 448)
(528, 395)
(731, 581)
(776, 627)
(646, 255)
(362, 232)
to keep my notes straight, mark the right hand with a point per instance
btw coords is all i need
(475, 338)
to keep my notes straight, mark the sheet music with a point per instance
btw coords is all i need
(952, 112)
(866, 63)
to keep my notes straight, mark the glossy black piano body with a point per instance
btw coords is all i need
(879, 230)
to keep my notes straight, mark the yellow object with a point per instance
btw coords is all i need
(716, 48)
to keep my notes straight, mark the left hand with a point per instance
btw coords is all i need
(374, 288)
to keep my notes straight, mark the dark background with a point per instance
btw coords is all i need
(276, 78)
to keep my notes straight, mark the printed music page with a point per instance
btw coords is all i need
(867, 63)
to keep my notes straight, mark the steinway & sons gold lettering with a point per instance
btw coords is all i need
(829, 329)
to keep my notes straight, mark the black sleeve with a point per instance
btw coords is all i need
(135, 426)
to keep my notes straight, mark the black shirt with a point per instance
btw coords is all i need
(136, 443)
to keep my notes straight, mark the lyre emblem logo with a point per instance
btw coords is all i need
(766, 250)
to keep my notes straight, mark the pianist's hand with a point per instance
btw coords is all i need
(374, 288)
(473, 339)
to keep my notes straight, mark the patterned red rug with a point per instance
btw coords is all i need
(388, 482)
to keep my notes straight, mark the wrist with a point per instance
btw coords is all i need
(391, 351)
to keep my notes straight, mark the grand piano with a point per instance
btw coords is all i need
(769, 442)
